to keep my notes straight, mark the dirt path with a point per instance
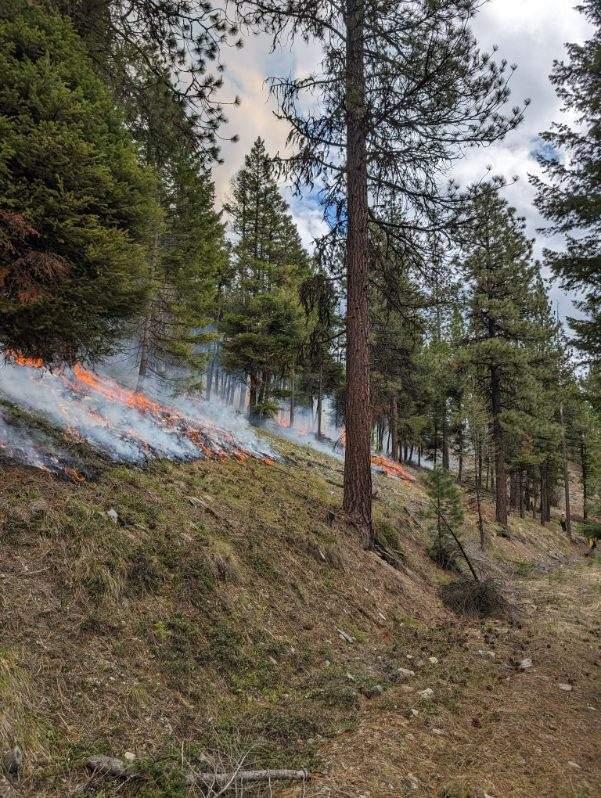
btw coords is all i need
(490, 728)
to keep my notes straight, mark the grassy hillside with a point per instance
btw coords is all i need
(228, 611)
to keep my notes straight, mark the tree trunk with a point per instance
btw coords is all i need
(145, 341)
(566, 474)
(242, 400)
(445, 437)
(319, 406)
(584, 463)
(499, 446)
(292, 398)
(521, 492)
(253, 393)
(357, 460)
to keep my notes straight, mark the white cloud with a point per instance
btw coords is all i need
(529, 33)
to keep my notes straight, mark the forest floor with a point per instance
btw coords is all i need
(228, 612)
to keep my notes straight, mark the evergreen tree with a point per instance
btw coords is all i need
(500, 275)
(396, 101)
(571, 160)
(76, 205)
(262, 322)
(445, 515)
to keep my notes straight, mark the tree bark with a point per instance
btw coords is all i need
(566, 474)
(445, 437)
(320, 406)
(584, 464)
(357, 461)
(145, 341)
(499, 446)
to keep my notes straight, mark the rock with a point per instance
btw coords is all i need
(373, 691)
(108, 766)
(412, 713)
(112, 515)
(433, 660)
(574, 765)
(426, 694)
(345, 636)
(525, 664)
(129, 756)
(405, 673)
(567, 687)
(13, 762)
(439, 732)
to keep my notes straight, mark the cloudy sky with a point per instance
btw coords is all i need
(529, 33)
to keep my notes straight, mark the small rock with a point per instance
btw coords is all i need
(426, 694)
(412, 713)
(525, 664)
(405, 673)
(350, 677)
(574, 764)
(13, 762)
(433, 660)
(345, 636)
(112, 515)
(439, 732)
(373, 692)
(567, 687)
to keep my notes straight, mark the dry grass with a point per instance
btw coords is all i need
(182, 633)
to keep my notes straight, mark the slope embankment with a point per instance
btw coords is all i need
(187, 617)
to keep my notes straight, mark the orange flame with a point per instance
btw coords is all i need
(391, 468)
(21, 360)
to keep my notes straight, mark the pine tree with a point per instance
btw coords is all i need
(500, 275)
(571, 160)
(445, 514)
(396, 101)
(262, 323)
(75, 203)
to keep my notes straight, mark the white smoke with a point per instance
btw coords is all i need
(186, 430)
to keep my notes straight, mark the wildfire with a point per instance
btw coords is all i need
(21, 360)
(127, 425)
(391, 468)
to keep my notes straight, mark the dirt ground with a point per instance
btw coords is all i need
(491, 728)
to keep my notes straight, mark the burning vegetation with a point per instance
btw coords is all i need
(124, 425)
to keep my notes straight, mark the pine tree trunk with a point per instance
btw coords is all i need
(566, 474)
(584, 464)
(499, 446)
(242, 400)
(292, 398)
(445, 438)
(521, 492)
(145, 342)
(253, 394)
(319, 406)
(357, 461)
(394, 430)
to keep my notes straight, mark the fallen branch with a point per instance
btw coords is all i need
(245, 777)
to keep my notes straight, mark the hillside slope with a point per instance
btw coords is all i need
(228, 612)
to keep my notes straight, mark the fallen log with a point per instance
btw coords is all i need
(245, 777)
